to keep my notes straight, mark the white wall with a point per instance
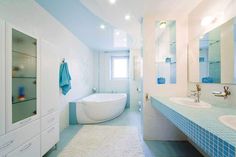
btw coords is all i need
(156, 126)
(102, 66)
(224, 10)
(28, 15)
(136, 78)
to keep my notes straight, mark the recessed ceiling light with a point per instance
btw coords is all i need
(102, 26)
(112, 1)
(127, 17)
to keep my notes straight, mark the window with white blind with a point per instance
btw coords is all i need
(119, 67)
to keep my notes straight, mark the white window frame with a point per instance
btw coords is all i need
(112, 68)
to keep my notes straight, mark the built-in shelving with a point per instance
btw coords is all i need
(23, 77)
(21, 101)
(24, 54)
(22, 61)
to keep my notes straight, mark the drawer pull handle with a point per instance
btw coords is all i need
(26, 121)
(6, 144)
(51, 130)
(26, 147)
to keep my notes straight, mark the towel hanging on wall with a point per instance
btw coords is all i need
(64, 78)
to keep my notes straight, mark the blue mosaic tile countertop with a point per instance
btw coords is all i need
(198, 122)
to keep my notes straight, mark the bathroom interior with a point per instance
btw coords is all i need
(115, 78)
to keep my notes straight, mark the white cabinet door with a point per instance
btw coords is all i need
(49, 138)
(22, 81)
(2, 77)
(49, 78)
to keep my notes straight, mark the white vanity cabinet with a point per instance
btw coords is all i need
(29, 149)
(22, 81)
(49, 96)
(2, 77)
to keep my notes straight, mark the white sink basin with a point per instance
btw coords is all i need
(229, 121)
(190, 102)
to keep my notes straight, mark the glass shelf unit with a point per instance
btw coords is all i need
(24, 76)
(22, 101)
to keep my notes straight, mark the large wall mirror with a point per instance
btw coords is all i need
(166, 52)
(212, 56)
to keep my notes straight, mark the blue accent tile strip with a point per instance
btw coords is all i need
(207, 141)
(72, 114)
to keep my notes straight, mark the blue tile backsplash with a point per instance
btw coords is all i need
(211, 144)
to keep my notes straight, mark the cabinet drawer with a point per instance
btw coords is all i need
(48, 110)
(49, 138)
(14, 139)
(49, 120)
(29, 149)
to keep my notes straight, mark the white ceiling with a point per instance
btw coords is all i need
(114, 14)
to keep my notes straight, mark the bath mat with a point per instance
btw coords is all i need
(104, 141)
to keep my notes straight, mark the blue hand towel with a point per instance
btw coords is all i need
(207, 80)
(161, 80)
(64, 79)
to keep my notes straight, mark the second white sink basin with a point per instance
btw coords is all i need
(229, 120)
(190, 102)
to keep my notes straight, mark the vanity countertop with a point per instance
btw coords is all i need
(206, 118)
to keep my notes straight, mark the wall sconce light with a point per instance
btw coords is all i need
(163, 24)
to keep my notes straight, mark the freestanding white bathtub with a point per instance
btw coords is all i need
(100, 107)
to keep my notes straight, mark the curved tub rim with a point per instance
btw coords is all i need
(116, 99)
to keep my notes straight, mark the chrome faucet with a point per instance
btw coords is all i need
(224, 94)
(196, 93)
